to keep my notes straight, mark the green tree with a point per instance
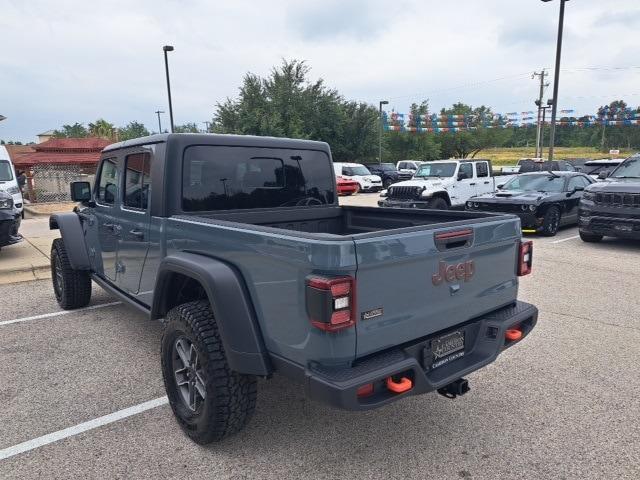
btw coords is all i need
(191, 127)
(132, 130)
(101, 128)
(77, 130)
(288, 104)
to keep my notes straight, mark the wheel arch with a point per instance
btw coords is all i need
(223, 286)
(73, 238)
(444, 195)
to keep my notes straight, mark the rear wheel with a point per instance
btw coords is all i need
(438, 203)
(551, 222)
(590, 237)
(387, 183)
(72, 288)
(209, 400)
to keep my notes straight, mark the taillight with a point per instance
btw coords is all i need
(330, 302)
(525, 258)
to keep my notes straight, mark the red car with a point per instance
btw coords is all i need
(346, 187)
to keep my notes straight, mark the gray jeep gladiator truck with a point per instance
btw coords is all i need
(239, 245)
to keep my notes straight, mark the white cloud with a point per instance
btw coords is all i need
(75, 61)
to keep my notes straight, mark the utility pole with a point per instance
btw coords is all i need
(604, 127)
(556, 81)
(158, 112)
(538, 102)
(382, 102)
(165, 49)
(544, 114)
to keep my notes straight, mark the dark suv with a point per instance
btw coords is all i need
(612, 207)
(388, 173)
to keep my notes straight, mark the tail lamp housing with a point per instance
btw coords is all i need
(525, 258)
(331, 302)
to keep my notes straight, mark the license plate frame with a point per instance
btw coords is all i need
(623, 227)
(447, 348)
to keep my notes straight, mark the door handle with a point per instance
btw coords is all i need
(472, 184)
(486, 183)
(137, 233)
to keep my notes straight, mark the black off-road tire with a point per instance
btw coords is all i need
(551, 222)
(590, 237)
(230, 396)
(72, 288)
(438, 203)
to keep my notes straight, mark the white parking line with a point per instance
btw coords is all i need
(81, 427)
(566, 239)
(57, 314)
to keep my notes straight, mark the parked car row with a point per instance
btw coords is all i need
(603, 198)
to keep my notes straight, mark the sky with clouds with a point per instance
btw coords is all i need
(69, 61)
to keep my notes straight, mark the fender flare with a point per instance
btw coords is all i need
(73, 238)
(230, 303)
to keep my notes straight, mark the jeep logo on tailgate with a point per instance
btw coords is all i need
(450, 273)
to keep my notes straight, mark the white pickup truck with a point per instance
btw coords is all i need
(441, 184)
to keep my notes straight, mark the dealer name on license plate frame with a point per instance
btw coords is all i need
(447, 348)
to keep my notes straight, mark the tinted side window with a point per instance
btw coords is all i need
(137, 182)
(228, 178)
(482, 169)
(108, 182)
(466, 169)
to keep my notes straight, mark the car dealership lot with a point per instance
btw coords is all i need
(564, 404)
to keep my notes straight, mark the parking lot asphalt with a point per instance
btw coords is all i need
(563, 404)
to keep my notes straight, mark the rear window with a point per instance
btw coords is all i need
(5, 171)
(230, 178)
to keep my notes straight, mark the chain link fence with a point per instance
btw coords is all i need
(50, 183)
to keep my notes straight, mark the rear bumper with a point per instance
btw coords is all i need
(484, 341)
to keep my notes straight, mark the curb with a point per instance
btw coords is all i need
(19, 275)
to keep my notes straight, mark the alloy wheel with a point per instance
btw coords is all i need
(188, 374)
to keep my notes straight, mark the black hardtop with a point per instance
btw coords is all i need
(186, 139)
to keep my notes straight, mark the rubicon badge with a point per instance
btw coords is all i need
(451, 273)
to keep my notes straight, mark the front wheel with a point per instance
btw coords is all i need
(209, 400)
(72, 288)
(551, 222)
(590, 237)
(438, 203)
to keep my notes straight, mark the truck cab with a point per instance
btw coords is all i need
(441, 184)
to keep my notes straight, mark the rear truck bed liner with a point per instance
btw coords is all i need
(486, 338)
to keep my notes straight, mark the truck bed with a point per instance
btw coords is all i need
(340, 222)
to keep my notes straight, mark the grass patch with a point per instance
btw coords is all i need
(509, 156)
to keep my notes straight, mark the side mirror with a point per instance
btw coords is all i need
(603, 174)
(462, 176)
(80, 191)
(575, 189)
(499, 187)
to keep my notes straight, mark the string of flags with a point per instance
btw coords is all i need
(401, 122)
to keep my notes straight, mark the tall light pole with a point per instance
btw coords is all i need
(556, 81)
(168, 48)
(158, 112)
(382, 102)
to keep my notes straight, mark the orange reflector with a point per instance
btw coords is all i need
(513, 334)
(405, 384)
(365, 390)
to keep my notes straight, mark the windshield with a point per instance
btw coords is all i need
(5, 171)
(436, 170)
(359, 170)
(629, 169)
(535, 183)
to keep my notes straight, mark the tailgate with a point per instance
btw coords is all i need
(403, 292)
